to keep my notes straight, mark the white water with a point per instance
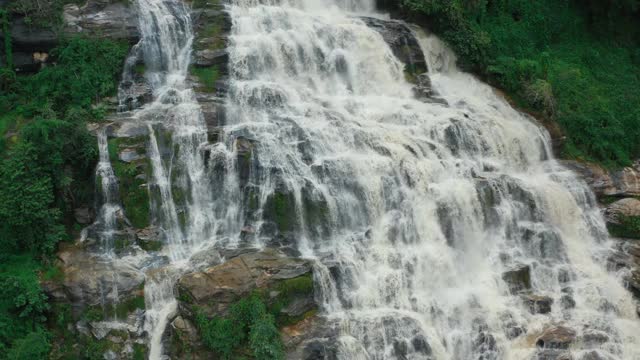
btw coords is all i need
(426, 204)
(110, 209)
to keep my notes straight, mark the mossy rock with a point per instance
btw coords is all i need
(134, 192)
(281, 209)
(628, 227)
(150, 245)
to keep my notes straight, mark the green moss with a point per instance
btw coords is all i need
(93, 314)
(629, 228)
(121, 243)
(207, 77)
(280, 208)
(150, 245)
(139, 352)
(134, 192)
(53, 273)
(140, 69)
(288, 290)
(123, 309)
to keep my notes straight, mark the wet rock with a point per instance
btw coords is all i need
(206, 258)
(134, 93)
(552, 354)
(624, 207)
(90, 280)
(83, 216)
(244, 148)
(209, 57)
(567, 302)
(623, 183)
(129, 155)
(593, 355)
(556, 337)
(216, 287)
(310, 339)
(402, 42)
(512, 329)
(106, 19)
(518, 278)
(594, 338)
(538, 304)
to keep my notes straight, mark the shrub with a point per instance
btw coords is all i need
(247, 320)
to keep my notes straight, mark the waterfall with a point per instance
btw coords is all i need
(412, 209)
(424, 205)
(110, 208)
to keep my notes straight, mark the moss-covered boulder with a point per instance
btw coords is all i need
(287, 283)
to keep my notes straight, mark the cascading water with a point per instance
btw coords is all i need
(167, 36)
(110, 208)
(413, 209)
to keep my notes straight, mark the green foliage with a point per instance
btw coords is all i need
(576, 63)
(30, 220)
(207, 76)
(85, 72)
(23, 304)
(264, 339)
(44, 168)
(628, 228)
(32, 347)
(247, 320)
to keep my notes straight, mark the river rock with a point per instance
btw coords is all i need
(216, 287)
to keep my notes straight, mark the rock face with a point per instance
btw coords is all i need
(402, 42)
(621, 183)
(91, 281)
(111, 19)
(628, 207)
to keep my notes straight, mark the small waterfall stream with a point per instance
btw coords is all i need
(110, 208)
(412, 209)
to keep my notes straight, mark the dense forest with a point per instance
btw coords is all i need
(571, 63)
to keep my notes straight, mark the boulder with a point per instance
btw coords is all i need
(538, 304)
(518, 278)
(556, 337)
(215, 288)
